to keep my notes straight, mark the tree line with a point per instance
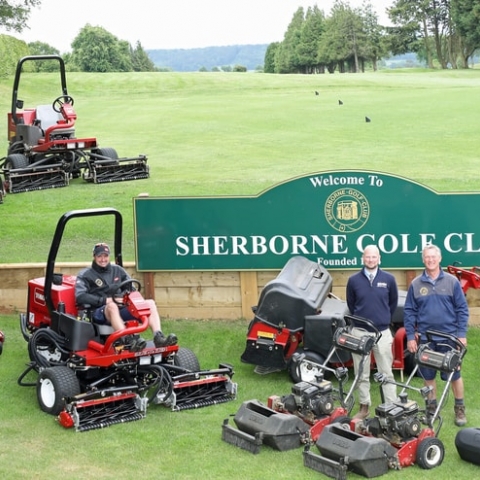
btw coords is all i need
(443, 33)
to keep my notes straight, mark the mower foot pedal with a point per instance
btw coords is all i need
(328, 467)
(241, 439)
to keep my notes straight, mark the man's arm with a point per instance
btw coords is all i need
(83, 295)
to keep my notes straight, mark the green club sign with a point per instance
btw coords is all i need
(328, 217)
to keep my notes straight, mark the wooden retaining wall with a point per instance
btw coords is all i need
(192, 295)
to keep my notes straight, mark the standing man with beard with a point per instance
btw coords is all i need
(373, 294)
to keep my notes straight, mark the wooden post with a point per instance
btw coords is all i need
(409, 276)
(149, 285)
(249, 292)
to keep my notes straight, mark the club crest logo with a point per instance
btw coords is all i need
(347, 210)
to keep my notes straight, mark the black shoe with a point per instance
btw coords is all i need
(134, 343)
(161, 340)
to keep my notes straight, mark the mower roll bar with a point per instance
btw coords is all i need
(18, 71)
(57, 237)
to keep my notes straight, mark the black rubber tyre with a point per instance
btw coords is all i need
(108, 152)
(343, 421)
(54, 384)
(430, 453)
(298, 370)
(186, 359)
(16, 160)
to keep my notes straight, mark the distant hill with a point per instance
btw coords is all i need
(193, 59)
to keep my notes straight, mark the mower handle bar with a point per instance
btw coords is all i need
(352, 319)
(461, 347)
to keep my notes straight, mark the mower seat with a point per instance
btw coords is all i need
(48, 117)
(85, 312)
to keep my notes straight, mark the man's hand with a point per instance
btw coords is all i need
(412, 346)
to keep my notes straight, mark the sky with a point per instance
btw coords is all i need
(173, 24)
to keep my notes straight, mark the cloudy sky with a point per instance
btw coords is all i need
(160, 24)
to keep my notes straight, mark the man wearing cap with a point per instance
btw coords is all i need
(94, 288)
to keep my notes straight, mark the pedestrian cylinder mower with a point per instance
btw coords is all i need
(400, 434)
(44, 151)
(88, 375)
(298, 418)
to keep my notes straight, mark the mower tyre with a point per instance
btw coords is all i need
(343, 421)
(430, 453)
(108, 152)
(186, 359)
(54, 384)
(299, 371)
(16, 160)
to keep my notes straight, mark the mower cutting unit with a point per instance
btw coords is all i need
(88, 375)
(44, 152)
(400, 434)
(298, 418)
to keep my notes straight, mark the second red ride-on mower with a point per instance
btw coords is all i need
(400, 434)
(289, 421)
(44, 151)
(87, 375)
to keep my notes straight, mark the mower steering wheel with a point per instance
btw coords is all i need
(131, 282)
(59, 101)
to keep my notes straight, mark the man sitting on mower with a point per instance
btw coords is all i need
(95, 288)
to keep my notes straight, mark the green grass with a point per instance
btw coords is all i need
(239, 134)
(223, 134)
(179, 445)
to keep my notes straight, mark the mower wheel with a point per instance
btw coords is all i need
(343, 421)
(430, 453)
(186, 359)
(16, 160)
(54, 384)
(301, 371)
(108, 152)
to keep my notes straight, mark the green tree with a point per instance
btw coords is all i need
(14, 14)
(344, 40)
(376, 46)
(466, 17)
(11, 49)
(310, 35)
(286, 59)
(41, 48)
(140, 60)
(96, 50)
(269, 62)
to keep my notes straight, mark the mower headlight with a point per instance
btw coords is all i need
(157, 358)
(145, 360)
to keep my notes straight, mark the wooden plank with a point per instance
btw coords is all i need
(249, 292)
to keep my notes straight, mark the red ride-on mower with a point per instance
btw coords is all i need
(394, 438)
(44, 151)
(89, 377)
(297, 419)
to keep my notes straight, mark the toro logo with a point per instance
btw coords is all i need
(39, 297)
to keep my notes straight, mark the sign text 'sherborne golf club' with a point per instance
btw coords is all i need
(328, 217)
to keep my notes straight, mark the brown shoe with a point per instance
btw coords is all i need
(460, 418)
(363, 412)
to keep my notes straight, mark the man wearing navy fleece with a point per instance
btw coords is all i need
(373, 294)
(435, 300)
